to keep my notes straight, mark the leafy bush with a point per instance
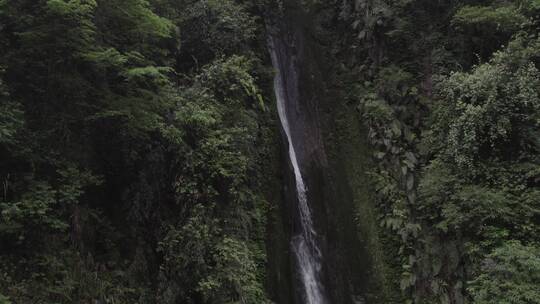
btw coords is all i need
(510, 275)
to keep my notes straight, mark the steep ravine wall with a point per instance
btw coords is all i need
(336, 159)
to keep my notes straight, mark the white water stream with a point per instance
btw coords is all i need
(304, 244)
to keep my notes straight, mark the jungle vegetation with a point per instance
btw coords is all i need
(140, 149)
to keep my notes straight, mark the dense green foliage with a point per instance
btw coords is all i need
(129, 169)
(450, 93)
(136, 139)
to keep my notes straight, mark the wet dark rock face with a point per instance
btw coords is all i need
(309, 103)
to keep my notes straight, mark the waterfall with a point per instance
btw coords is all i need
(304, 243)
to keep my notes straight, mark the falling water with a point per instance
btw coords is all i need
(304, 244)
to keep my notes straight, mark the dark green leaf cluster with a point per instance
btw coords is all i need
(129, 166)
(449, 92)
